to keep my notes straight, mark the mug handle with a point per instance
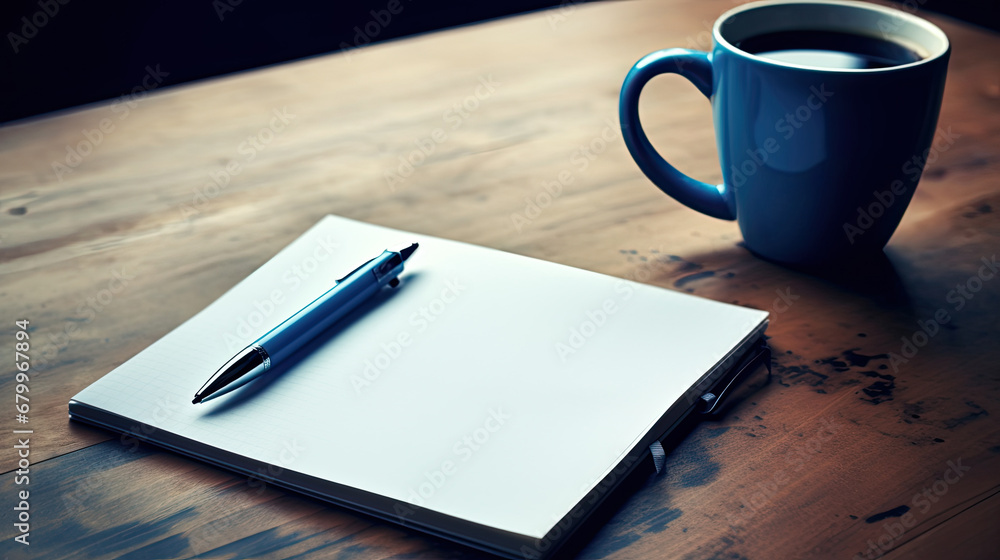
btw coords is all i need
(697, 68)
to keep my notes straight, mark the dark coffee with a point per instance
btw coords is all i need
(828, 49)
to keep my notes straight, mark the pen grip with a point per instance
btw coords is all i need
(283, 340)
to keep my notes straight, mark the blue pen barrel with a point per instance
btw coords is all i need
(281, 341)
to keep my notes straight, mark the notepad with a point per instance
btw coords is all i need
(484, 399)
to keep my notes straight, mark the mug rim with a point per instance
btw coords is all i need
(894, 13)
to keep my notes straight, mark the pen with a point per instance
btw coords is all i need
(281, 341)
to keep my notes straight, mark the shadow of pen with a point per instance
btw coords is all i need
(254, 388)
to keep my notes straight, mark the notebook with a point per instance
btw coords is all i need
(488, 399)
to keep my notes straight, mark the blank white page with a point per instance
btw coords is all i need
(488, 386)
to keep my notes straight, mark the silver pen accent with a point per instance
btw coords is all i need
(248, 364)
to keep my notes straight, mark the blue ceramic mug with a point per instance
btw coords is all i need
(824, 115)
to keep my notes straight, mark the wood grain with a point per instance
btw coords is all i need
(138, 237)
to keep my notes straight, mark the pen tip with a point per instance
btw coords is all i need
(196, 400)
(407, 251)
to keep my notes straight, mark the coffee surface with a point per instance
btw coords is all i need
(829, 49)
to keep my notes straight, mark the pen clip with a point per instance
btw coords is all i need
(761, 355)
(351, 273)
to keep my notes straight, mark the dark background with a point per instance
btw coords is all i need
(92, 50)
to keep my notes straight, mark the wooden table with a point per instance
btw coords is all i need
(849, 450)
